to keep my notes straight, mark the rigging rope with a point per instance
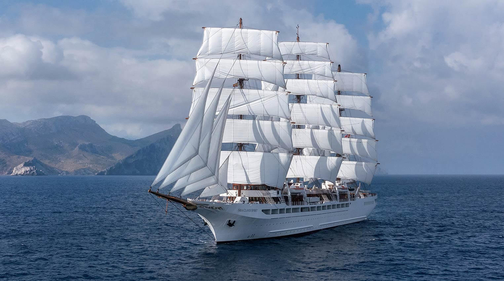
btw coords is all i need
(166, 211)
(211, 237)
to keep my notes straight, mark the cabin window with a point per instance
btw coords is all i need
(305, 209)
(295, 210)
(324, 207)
(266, 211)
(338, 206)
(274, 211)
(288, 210)
(347, 204)
(282, 211)
(319, 208)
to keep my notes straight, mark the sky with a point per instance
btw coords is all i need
(435, 68)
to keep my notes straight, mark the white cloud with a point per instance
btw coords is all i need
(133, 75)
(151, 9)
(110, 85)
(445, 56)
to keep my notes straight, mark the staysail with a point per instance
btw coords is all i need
(189, 142)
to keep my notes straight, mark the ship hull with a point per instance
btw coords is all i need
(237, 222)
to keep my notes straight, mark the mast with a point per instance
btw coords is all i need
(241, 85)
(257, 116)
(339, 70)
(298, 97)
(298, 57)
(358, 143)
(316, 134)
(339, 92)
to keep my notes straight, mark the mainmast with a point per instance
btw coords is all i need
(298, 97)
(316, 134)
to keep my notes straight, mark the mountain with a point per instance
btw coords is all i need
(34, 167)
(71, 145)
(147, 160)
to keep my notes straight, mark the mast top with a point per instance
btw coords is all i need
(297, 33)
(241, 23)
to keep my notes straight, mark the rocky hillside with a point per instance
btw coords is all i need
(34, 167)
(148, 160)
(64, 144)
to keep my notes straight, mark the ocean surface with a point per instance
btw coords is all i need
(73, 228)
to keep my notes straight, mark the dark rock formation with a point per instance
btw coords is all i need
(147, 160)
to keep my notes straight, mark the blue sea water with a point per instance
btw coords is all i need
(110, 228)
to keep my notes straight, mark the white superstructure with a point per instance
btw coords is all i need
(276, 142)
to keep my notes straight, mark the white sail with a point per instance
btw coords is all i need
(219, 41)
(269, 71)
(205, 161)
(319, 100)
(249, 102)
(319, 139)
(321, 167)
(188, 143)
(216, 181)
(305, 48)
(357, 171)
(358, 126)
(351, 82)
(320, 88)
(209, 172)
(361, 103)
(221, 186)
(269, 86)
(360, 147)
(321, 68)
(257, 167)
(272, 133)
(315, 114)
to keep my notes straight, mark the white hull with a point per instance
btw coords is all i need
(235, 222)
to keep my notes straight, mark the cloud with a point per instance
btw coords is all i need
(445, 56)
(437, 68)
(131, 72)
(111, 85)
(152, 9)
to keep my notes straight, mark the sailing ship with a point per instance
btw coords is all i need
(276, 142)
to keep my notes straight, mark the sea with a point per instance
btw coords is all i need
(110, 228)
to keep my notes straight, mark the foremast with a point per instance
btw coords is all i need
(256, 139)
